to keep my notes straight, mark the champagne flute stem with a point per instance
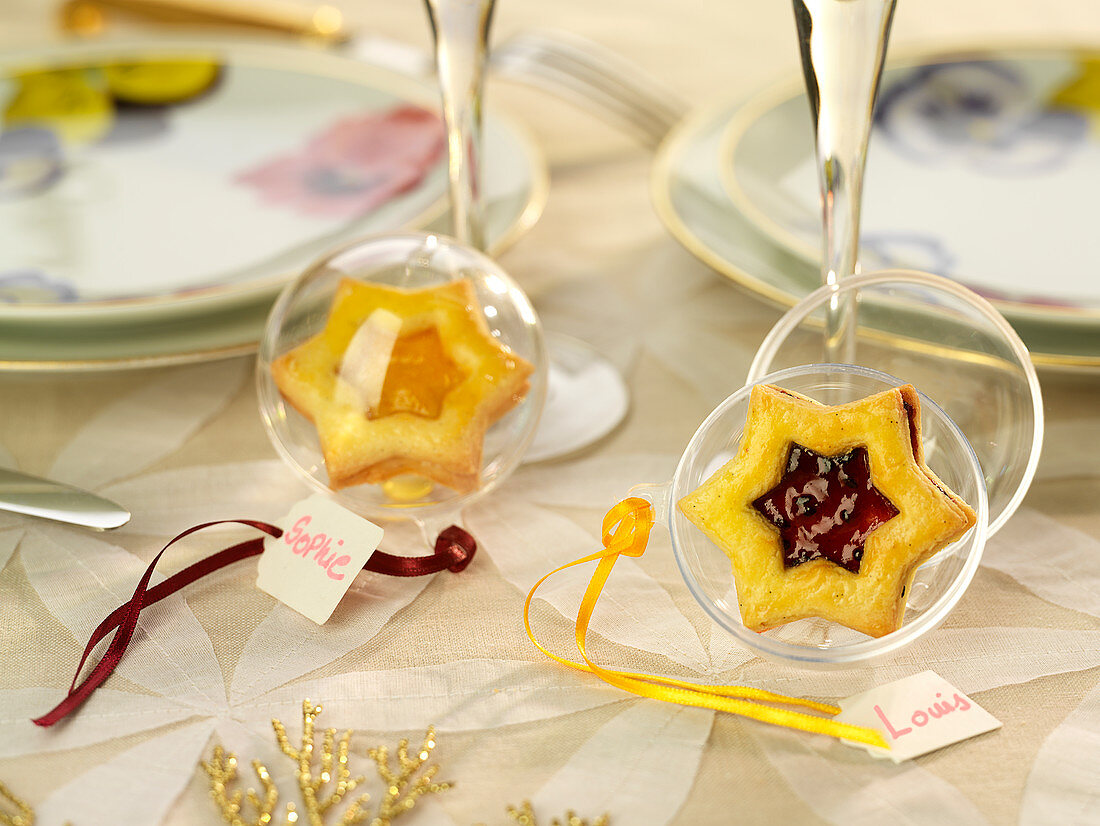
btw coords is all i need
(843, 46)
(460, 29)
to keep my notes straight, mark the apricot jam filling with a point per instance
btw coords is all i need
(419, 376)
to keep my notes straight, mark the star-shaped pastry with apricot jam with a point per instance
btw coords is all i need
(443, 380)
(828, 511)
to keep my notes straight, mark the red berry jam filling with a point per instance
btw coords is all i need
(825, 507)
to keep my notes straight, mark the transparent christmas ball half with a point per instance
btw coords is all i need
(948, 342)
(817, 643)
(410, 261)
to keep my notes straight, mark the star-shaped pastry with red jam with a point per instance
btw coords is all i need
(403, 382)
(828, 511)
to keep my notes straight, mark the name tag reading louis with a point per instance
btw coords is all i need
(312, 565)
(916, 715)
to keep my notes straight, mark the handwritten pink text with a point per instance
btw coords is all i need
(921, 718)
(317, 547)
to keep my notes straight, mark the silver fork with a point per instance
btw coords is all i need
(577, 70)
(586, 73)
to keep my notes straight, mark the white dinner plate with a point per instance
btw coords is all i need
(692, 194)
(137, 232)
(984, 166)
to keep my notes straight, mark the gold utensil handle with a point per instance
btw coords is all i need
(318, 21)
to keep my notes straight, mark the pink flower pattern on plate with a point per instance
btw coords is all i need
(355, 166)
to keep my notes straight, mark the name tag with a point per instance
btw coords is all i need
(916, 715)
(312, 565)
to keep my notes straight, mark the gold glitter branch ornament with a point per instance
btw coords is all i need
(525, 816)
(24, 815)
(400, 795)
(303, 756)
(222, 770)
(404, 786)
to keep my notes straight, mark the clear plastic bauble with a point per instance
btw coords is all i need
(982, 431)
(948, 342)
(411, 261)
(817, 643)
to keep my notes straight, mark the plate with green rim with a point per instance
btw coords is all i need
(692, 192)
(156, 196)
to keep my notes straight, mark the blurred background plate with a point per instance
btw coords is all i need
(691, 192)
(154, 197)
(984, 166)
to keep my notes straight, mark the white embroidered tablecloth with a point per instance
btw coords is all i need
(184, 445)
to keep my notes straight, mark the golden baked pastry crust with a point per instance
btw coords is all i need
(486, 381)
(873, 600)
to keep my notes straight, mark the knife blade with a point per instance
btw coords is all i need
(44, 498)
(320, 22)
(312, 23)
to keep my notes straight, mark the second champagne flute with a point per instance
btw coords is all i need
(843, 47)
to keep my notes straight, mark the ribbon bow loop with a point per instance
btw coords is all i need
(626, 531)
(627, 526)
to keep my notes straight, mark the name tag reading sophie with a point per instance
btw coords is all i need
(312, 565)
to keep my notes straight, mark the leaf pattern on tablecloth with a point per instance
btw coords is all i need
(81, 580)
(9, 541)
(463, 695)
(286, 645)
(666, 745)
(848, 787)
(133, 432)
(108, 713)
(171, 692)
(972, 660)
(595, 482)
(726, 653)
(255, 740)
(170, 501)
(137, 786)
(1064, 784)
(1052, 561)
(526, 542)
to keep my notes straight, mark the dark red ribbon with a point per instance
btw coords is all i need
(454, 549)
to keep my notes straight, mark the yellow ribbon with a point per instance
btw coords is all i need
(626, 530)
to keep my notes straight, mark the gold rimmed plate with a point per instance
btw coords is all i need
(724, 227)
(154, 197)
(983, 166)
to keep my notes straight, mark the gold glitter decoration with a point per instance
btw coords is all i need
(344, 783)
(25, 815)
(222, 770)
(404, 786)
(525, 816)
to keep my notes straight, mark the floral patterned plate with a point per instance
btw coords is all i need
(155, 197)
(984, 166)
(690, 190)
